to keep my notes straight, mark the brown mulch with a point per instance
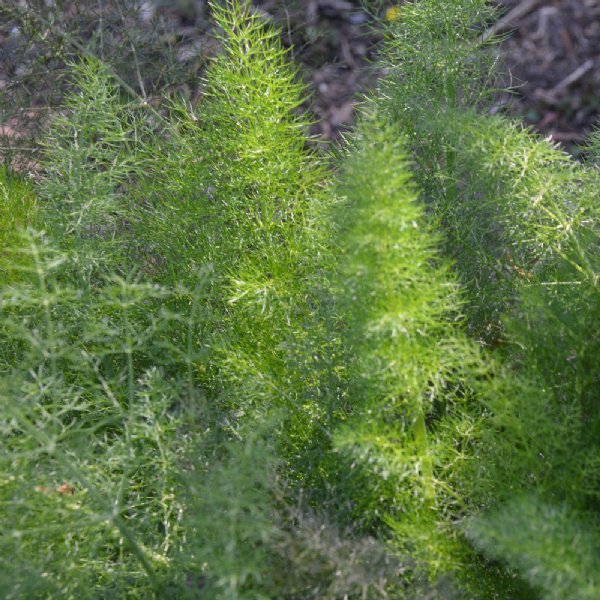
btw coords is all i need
(553, 56)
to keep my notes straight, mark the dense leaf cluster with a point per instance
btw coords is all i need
(226, 372)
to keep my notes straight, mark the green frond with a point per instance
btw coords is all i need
(92, 155)
(552, 545)
(398, 446)
(437, 57)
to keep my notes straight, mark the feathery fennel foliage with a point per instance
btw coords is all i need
(539, 279)
(93, 153)
(519, 218)
(221, 377)
(90, 407)
(409, 400)
(18, 210)
(242, 193)
(241, 179)
(398, 306)
(435, 57)
(238, 178)
(96, 386)
(548, 542)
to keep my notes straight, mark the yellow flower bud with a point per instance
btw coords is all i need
(392, 13)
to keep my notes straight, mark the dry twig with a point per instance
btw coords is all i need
(507, 20)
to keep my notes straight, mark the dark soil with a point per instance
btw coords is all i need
(553, 56)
